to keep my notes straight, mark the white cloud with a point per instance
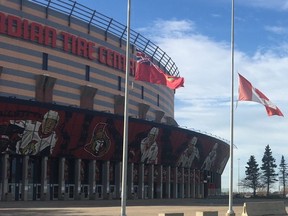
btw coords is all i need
(275, 4)
(276, 29)
(173, 28)
(204, 102)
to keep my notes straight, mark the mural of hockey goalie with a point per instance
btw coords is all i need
(30, 137)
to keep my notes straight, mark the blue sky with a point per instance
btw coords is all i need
(196, 34)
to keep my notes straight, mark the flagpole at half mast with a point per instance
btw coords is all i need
(126, 108)
(230, 211)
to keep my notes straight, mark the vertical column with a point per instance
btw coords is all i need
(192, 183)
(44, 180)
(168, 182)
(195, 183)
(5, 175)
(24, 189)
(105, 179)
(99, 180)
(151, 181)
(175, 182)
(160, 182)
(77, 187)
(141, 181)
(92, 179)
(188, 195)
(130, 187)
(198, 184)
(201, 183)
(118, 176)
(61, 180)
(182, 183)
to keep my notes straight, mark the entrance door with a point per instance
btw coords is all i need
(36, 191)
(99, 191)
(54, 191)
(69, 191)
(146, 192)
(85, 191)
(16, 163)
(113, 191)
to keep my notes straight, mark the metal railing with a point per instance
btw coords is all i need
(206, 133)
(109, 25)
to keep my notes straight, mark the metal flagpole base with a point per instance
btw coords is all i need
(230, 213)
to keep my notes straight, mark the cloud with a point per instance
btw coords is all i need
(276, 29)
(204, 103)
(172, 28)
(275, 4)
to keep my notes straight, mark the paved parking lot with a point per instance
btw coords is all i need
(113, 207)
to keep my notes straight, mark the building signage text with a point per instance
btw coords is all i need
(18, 27)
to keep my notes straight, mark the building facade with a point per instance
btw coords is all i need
(62, 76)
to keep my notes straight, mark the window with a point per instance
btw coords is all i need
(87, 73)
(44, 61)
(158, 99)
(119, 83)
(142, 92)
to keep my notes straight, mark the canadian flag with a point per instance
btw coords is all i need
(248, 93)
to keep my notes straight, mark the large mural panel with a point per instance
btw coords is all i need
(31, 128)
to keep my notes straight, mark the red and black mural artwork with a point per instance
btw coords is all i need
(56, 131)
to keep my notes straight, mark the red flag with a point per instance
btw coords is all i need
(174, 82)
(248, 93)
(147, 71)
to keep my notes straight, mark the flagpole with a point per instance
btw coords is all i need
(126, 108)
(230, 211)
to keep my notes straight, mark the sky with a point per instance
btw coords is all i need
(197, 36)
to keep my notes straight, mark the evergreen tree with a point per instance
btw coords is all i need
(283, 174)
(252, 179)
(268, 168)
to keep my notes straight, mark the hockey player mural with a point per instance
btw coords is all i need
(149, 147)
(210, 160)
(30, 137)
(40, 131)
(189, 154)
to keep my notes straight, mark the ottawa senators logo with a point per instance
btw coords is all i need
(100, 143)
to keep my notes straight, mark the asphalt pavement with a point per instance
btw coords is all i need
(147, 207)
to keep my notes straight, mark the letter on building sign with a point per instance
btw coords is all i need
(36, 32)
(50, 36)
(2, 23)
(14, 26)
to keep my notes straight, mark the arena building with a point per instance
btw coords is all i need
(62, 75)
